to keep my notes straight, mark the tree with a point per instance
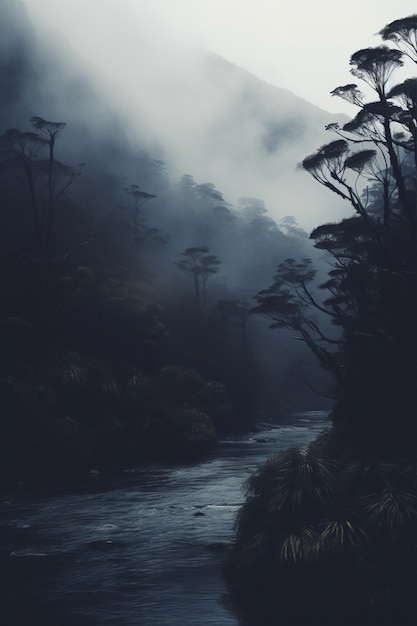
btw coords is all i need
(47, 179)
(139, 198)
(200, 265)
(403, 33)
(375, 124)
(287, 301)
(20, 149)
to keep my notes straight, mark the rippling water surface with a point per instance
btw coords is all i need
(142, 548)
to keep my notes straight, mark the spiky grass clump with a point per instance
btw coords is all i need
(391, 514)
(328, 535)
(71, 369)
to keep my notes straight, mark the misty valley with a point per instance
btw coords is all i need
(208, 340)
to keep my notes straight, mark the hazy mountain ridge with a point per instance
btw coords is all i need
(133, 286)
(199, 113)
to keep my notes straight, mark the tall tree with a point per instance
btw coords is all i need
(47, 178)
(139, 198)
(197, 263)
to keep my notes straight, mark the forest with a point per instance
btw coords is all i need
(115, 350)
(126, 324)
(137, 326)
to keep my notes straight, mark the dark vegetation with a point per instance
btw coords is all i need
(105, 363)
(328, 534)
(124, 310)
(128, 332)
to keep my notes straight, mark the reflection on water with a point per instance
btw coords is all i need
(144, 547)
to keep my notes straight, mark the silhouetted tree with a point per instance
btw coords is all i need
(287, 302)
(47, 179)
(20, 149)
(139, 198)
(200, 266)
(403, 33)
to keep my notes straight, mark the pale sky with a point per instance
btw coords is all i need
(300, 45)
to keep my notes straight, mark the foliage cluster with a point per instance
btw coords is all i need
(324, 536)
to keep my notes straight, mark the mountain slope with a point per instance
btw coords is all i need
(201, 114)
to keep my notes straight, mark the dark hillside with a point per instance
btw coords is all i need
(126, 288)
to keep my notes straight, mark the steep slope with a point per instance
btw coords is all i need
(199, 113)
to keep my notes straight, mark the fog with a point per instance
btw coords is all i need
(177, 293)
(218, 147)
(201, 114)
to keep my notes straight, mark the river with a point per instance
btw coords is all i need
(140, 548)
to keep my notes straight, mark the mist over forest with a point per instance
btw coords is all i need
(170, 149)
(171, 194)
(201, 272)
(200, 114)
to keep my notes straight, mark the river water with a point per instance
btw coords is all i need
(142, 548)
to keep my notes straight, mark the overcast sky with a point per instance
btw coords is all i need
(301, 45)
